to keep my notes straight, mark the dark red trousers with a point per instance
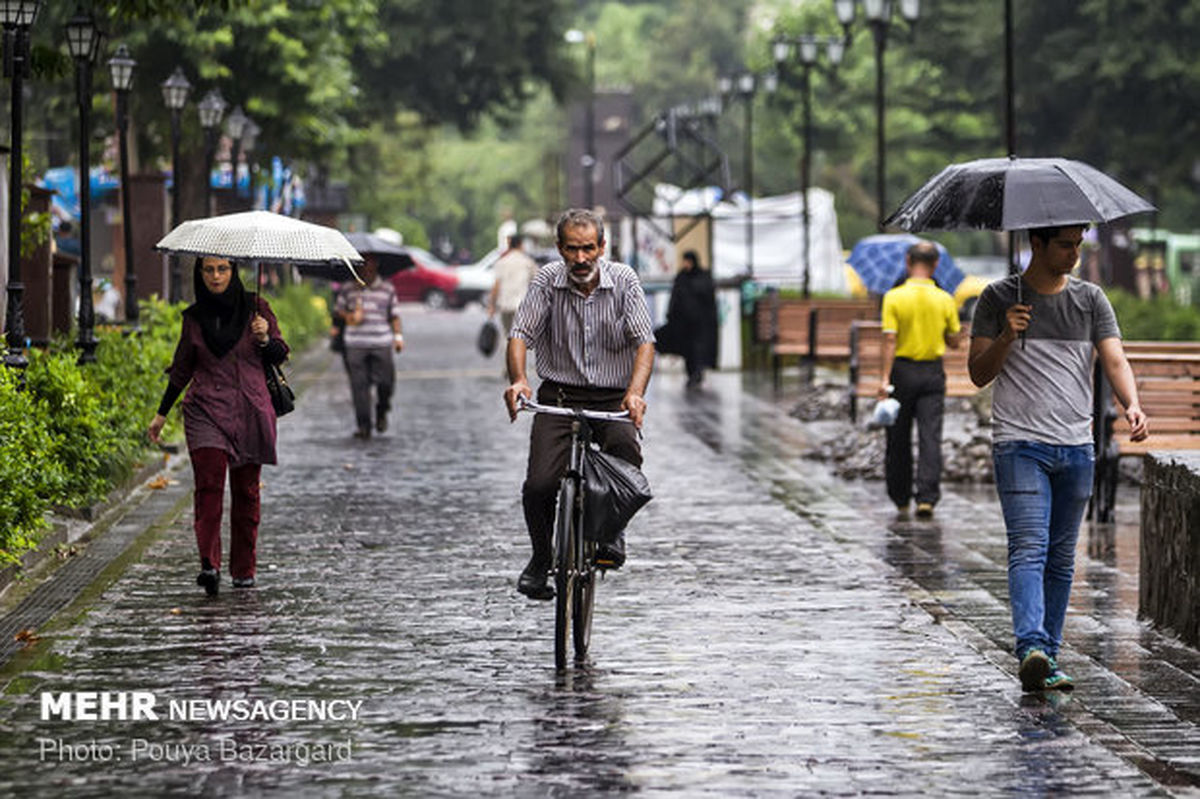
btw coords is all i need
(209, 466)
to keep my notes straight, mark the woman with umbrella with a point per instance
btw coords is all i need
(226, 338)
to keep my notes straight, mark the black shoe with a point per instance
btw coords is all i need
(611, 556)
(381, 422)
(210, 580)
(363, 432)
(243, 582)
(534, 582)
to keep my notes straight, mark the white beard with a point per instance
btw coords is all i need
(586, 279)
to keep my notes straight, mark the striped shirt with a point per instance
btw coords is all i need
(379, 309)
(584, 341)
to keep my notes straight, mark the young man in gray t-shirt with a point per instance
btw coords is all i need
(1042, 429)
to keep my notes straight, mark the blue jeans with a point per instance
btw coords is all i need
(1044, 490)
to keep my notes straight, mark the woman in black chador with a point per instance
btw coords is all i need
(691, 329)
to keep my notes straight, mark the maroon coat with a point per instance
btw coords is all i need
(227, 405)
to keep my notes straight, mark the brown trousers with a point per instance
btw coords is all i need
(550, 452)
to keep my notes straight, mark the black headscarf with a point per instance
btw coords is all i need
(222, 317)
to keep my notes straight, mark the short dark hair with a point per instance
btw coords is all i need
(923, 252)
(693, 256)
(1046, 233)
(515, 241)
(580, 217)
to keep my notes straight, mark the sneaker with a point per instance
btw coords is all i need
(209, 580)
(363, 432)
(243, 582)
(381, 422)
(1058, 680)
(924, 510)
(902, 510)
(1035, 668)
(534, 581)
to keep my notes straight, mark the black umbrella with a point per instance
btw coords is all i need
(1016, 194)
(390, 258)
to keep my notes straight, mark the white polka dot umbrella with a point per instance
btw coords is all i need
(257, 236)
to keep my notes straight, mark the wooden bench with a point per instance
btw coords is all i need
(866, 364)
(1167, 374)
(812, 329)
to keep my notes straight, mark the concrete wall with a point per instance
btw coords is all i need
(1169, 584)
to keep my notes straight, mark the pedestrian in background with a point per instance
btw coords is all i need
(228, 420)
(513, 272)
(1042, 446)
(691, 328)
(919, 322)
(372, 333)
(586, 320)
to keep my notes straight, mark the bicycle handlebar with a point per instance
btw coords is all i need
(525, 404)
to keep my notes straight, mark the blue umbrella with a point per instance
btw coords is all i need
(879, 262)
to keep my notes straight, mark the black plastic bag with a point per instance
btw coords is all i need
(489, 336)
(616, 490)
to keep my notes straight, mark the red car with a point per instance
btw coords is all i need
(420, 276)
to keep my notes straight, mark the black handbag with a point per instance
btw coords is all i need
(616, 490)
(489, 336)
(283, 399)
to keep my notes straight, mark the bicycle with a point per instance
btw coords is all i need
(574, 568)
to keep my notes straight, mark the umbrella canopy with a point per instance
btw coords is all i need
(370, 244)
(260, 236)
(879, 262)
(1016, 194)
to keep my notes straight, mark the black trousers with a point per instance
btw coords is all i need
(370, 366)
(921, 391)
(550, 453)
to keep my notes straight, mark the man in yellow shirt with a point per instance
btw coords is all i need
(919, 322)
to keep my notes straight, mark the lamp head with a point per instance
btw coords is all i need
(211, 109)
(235, 124)
(175, 90)
(19, 13)
(120, 68)
(83, 37)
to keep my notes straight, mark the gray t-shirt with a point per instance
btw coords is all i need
(1044, 390)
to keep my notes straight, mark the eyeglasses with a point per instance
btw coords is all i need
(216, 270)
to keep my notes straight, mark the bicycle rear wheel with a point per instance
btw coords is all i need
(585, 598)
(564, 571)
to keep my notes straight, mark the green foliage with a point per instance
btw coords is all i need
(1159, 319)
(29, 476)
(302, 315)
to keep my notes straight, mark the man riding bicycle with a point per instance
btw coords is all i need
(586, 320)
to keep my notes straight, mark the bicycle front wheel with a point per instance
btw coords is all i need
(564, 570)
(585, 598)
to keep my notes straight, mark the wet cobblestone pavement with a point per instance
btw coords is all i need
(776, 632)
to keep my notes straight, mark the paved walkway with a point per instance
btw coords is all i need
(776, 632)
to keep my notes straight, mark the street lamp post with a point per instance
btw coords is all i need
(808, 49)
(211, 108)
(175, 93)
(878, 14)
(745, 86)
(235, 125)
(16, 17)
(249, 142)
(588, 160)
(120, 68)
(83, 41)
